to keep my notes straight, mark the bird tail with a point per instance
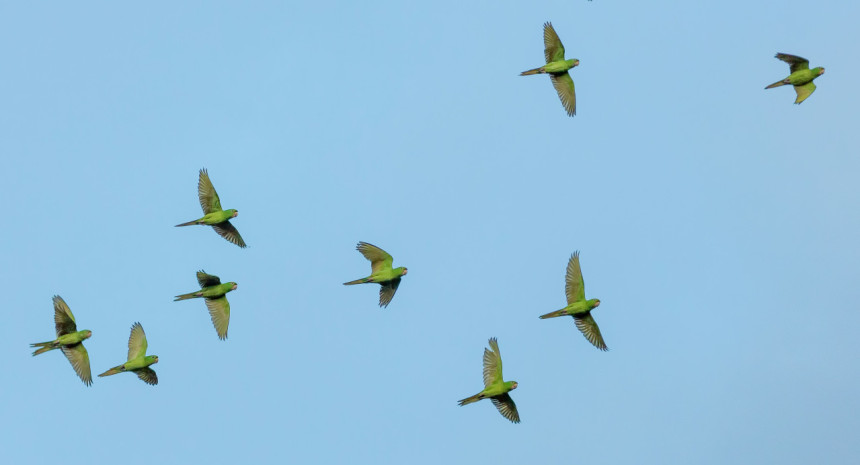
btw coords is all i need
(540, 70)
(777, 84)
(357, 281)
(188, 223)
(469, 400)
(43, 347)
(554, 314)
(112, 371)
(190, 295)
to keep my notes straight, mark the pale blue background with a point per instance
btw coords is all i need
(718, 223)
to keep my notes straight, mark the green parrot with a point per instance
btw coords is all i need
(215, 294)
(556, 66)
(801, 76)
(138, 362)
(381, 272)
(577, 307)
(70, 340)
(495, 387)
(213, 214)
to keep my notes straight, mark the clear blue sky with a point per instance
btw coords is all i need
(717, 222)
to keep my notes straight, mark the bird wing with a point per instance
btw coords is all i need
(136, 342)
(804, 91)
(64, 321)
(147, 375)
(588, 327)
(387, 290)
(506, 407)
(795, 63)
(492, 364)
(219, 310)
(229, 232)
(563, 84)
(209, 200)
(574, 287)
(207, 280)
(80, 360)
(553, 50)
(378, 257)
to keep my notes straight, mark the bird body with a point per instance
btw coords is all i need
(382, 272)
(557, 67)
(69, 340)
(578, 306)
(495, 387)
(801, 76)
(213, 214)
(138, 362)
(215, 294)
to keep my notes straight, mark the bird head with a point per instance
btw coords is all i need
(87, 334)
(154, 358)
(234, 286)
(235, 214)
(403, 273)
(820, 71)
(513, 385)
(576, 62)
(596, 303)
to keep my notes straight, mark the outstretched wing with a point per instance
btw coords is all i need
(219, 311)
(209, 200)
(804, 91)
(506, 407)
(387, 290)
(553, 50)
(136, 342)
(147, 375)
(229, 232)
(207, 280)
(492, 363)
(795, 63)
(64, 321)
(563, 84)
(378, 257)
(80, 360)
(574, 287)
(588, 327)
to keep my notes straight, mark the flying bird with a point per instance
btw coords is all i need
(381, 272)
(215, 294)
(801, 76)
(495, 387)
(556, 66)
(577, 306)
(69, 340)
(138, 362)
(213, 215)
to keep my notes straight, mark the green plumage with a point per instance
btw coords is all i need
(382, 272)
(213, 214)
(557, 68)
(801, 76)
(495, 387)
(138, 362)
(69, 340)
(215, 294)
(577, 305)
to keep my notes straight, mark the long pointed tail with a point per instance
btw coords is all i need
(188, 223)
(190, 295)
(112, 371)
(44, 347)
(469, 400)
(776, 84)
(357, 281)
(554, 314)
(540, 70)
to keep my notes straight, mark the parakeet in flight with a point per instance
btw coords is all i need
(801, 76)
(495, 387)
(215, 294)
(381, 272)
(213, 214)
(556, 66)
(577, 306)
(69, 339)
(138, 362)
